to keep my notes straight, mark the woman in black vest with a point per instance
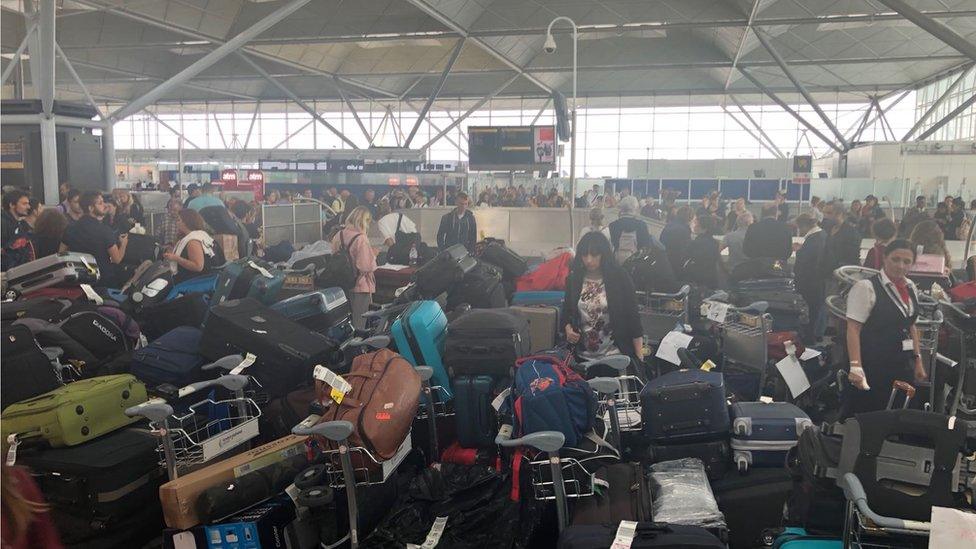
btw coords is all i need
(882, 341)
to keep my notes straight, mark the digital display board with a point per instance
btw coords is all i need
(511, 148)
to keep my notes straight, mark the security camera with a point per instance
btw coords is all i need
(550, 45)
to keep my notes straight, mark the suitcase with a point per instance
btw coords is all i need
(647, 535)
(419, 335)
(27, 371)
(173, 359)
(766, 284)
(388, 281)
(445, 270)
(714, 454)
(477, 424)
(685, 405)
(248, 278)
(798, 538)
(752, 503)
(320, 311)
(99, 483)
(552, 298)
(651, 271)
(67, 268)
(543, 326)
(77, 412)
(763, 433)
(151, 284)
(626, 497)
(481, 288)
(139, 248)
(44, 308)
(511, 264)
(200, 285)
(486, 342)
(186, 310)
(286, 351)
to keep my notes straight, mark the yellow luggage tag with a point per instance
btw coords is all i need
(339, 385)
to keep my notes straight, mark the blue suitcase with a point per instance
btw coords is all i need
(324, 311)
(763, 433)
(198, 285)
(526, 299)
(798, 538)
(248, 277)
(172, 358)
(685, 405)
(419, 335)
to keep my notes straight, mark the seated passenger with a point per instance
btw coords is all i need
(196, 253)
(89, 235)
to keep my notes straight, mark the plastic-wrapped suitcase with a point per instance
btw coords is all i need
(93, 487)
(443, 271)
(714, 454)
(197, 285)
(419, 335)
(248, 277)
(27, 371)
(476, 421)
(77, 412)
(320, 311)
(763, 433)
(172, 358)
(286, 351)
(64, 268)
(685, 405)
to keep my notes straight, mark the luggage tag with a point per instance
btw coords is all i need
(626, 533)
(717, 312)
(14, 442)
(791, 371)
(433, 536)
(907, 345)
(91, 294)
(249, 359)
(92, 270)
(339, 385)
(264, 272)
(500, 399)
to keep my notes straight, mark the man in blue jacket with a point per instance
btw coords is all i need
(458, 226)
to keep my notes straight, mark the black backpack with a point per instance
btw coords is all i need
(340, 268)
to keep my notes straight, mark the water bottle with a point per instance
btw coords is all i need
(413, 255)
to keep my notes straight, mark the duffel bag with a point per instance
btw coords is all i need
(486, 342)
(551, 275)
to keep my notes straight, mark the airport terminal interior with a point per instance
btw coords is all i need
(513, 274)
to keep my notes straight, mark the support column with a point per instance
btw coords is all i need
(108, 156)
(49, 159)
(47, 43)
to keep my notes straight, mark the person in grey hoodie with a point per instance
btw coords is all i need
(458, 226)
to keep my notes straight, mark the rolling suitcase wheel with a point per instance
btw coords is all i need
(316, 496)
(312, 476)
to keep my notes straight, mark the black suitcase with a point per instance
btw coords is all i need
(286, 351)
(714, 454)
(685, 405)
(486, 342)
(481, 288)
(27, 371)
(186, 310)
(443, 271)
(651, 271)
(141, 247)
(496, 253)
(752, 502)
(648, 535)
(627, 498)
(44, 308)
(477, 424)
(98, 485)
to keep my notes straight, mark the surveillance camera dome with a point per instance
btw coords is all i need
(550, 45)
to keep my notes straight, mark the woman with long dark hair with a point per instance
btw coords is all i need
(600, 311)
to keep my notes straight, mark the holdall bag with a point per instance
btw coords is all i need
(68, 268)
(481, 288)
(551, 275)
(486, 342)
(48, 334)
(443, 271)
(381, 405)
(173, 358)
(685, 405)
(249, 277)
(77, 412)
(139, 248)
(477, 423)
(626, 497)
(763, 433)
(320, 310)
(186, 310)
(419, 334)
(99, 483)
(105, 332)
(286, 351)
(815, 501)
(281, 414)
(27, 371)
(762, 268)
(647, 535)
(496, 253)
(714, 454)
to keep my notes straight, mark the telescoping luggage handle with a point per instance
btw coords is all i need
(904, 387)
(549, 442)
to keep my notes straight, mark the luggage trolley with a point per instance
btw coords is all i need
(743, 332)
(203, 430)
(964, 324)
(863, 528)
(619, 398)
(848, 275)
(660, 312)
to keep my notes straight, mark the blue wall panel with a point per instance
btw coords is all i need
(680, 185)
(763, 189)
(701, 187)
(733, 189)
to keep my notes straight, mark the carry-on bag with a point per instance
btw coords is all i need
(186, 310)
(752, 503)
(286, 351)
(647, 535)
(685, 405)
(248, 277)
(714, 454)
(496, 253)
(651, 271)
(68, 268)
(139, 248)
(77, 412)
(419, 334)
(381, 404)
(150, 284)
(173, 359)
(543, 325)
(474, 415)
(481, 288)
(625, 497)
(446, 269)
(100, 483)
(486, 342)
(763, 433)
(27, 371)
(551, 275)
(197, 285)
(319, 311)
(106, 331)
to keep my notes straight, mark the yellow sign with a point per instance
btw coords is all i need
(12, 155)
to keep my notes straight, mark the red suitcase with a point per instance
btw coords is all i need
(389, 280)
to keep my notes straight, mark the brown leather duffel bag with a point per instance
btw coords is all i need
(381, 405)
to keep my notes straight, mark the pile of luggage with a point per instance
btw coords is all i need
(243, 410)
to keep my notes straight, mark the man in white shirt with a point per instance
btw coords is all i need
(388, 226)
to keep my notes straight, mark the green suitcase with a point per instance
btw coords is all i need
(77, 412)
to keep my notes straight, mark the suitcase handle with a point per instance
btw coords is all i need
(687, 424)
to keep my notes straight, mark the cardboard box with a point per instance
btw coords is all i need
(264, 526)
(179, 497)
(542, 325)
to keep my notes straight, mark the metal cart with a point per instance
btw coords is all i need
(661, 312)
(848, 275)
(743, 333)
(964, 325)
(619, 399)
(863, 528)
(203, 430)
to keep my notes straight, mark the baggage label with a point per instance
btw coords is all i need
(249, 359)
(264, 272)
(339, 385)
(500, 399)
(91, 294)
(433, 536)
(625, 535)
(14, 442)
(717, 311)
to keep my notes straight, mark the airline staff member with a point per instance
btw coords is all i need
(882, 340)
